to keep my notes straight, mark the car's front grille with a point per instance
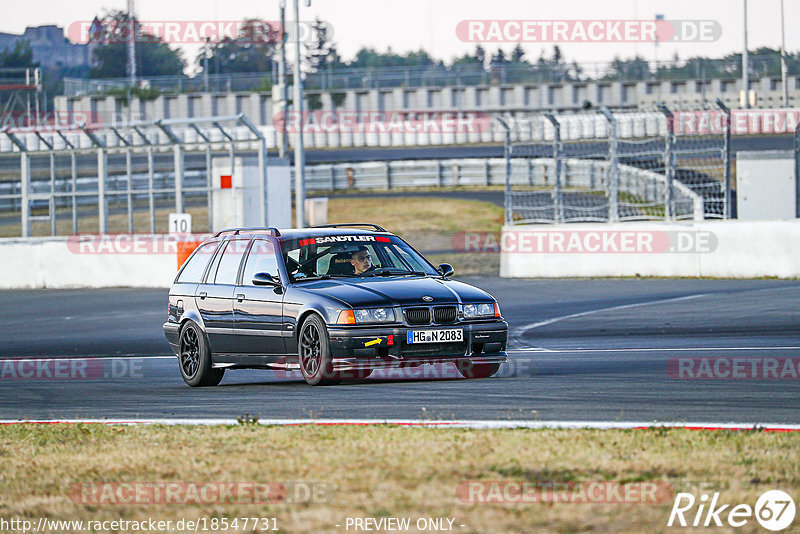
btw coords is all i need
(418, 316)
(445, 314)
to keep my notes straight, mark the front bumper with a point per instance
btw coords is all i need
(376, 347)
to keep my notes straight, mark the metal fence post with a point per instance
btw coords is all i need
(262, 166)
(25, 189)
(102, 177)
(179, 165)
(669, 162)
(178, 158)
(73, 165)
(129, 195)
(151, 204)
(52, 201)
(797, 171)
(232, 157)
(209, 195)
(25, 182)
(507, 154)
(613, 168)
(558, 154)
(728, 211)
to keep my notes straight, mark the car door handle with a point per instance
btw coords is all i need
(203, 295)
(240, 297)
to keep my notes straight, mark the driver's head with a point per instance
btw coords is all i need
(361, 260)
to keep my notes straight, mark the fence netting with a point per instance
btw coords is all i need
(620, 166)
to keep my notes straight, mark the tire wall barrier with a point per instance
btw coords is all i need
(715, 249)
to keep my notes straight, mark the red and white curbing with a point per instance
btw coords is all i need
(483, 425)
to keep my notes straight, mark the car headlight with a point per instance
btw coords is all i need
(473, 311)
(374, 315)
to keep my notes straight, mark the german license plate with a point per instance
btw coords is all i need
(449, 335)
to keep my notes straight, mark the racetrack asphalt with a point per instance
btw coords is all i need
(581, 350)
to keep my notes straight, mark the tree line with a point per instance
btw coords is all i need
(243, 54)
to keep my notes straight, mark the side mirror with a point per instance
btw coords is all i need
(446, 270)
(265, 279)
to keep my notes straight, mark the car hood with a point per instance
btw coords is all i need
(397, 291)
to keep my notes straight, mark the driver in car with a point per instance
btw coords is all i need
(361, 260)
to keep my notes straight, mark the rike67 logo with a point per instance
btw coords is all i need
(774, 510)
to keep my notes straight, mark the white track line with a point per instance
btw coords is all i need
(517, 336)
(59, 358)
(652, 349)
(518, 333)
(598, 425)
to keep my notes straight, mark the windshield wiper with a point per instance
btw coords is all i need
(396, 272)
(326, 277)
(314, 278)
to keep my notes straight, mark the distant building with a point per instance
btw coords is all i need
(50, 47)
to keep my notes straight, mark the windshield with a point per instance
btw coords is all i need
(352, 256)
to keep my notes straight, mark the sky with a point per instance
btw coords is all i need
(431, 24)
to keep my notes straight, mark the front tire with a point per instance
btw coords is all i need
(477, 370)
(195, 358)
(314, 353)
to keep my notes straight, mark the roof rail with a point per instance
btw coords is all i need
(346, 225)
(252, 230)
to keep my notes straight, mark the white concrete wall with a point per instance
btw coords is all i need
(719, 249)
(63, 263)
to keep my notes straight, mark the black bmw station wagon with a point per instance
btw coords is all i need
(335, 301)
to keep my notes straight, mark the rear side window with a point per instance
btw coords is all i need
(262, 259)
(228, 267)
(196, 265)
